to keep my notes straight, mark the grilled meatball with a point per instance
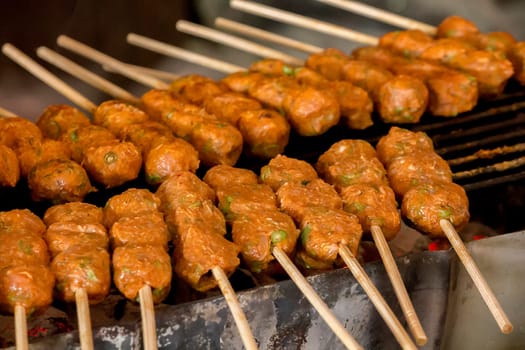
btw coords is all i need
(197, 251)
(197, 88)
(497, 42)
(358, 170)
(113, 164)
(201, 212)
(19, 221)
(56, 120)
(517, 57)
(265, 132)
(445, 49)
(183, 188)
(217, 143)
(400, 142)
(22, 247)
(271, 91)
(135, 266)
(456, 27)
(76, 212)
(366, 75)
(222, 176)
(115, 115)
(28, 285)
(59, 181)
(324, 229)
(82, 138)
(228, 106)
(242, 81)
(295, 198)
(417, 168)
(168, 158)
(258, 232)
(18, 133)
(282, 169)
(373, 205)
(411, 43)
(47, 150)
(346, 149)
(240, 199)
(425, 205)
(402, 99)
(63, 236)
(141, 229)
(147, 135)
(444, 99)
(133, 201)
(329, 63)
(80, 268)
(9, 167)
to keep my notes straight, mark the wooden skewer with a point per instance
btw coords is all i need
(46, 76)
(234, 41)
(147, 312)
(233, 303)
(314, 299)
(159, 74)
(5, 113)
(399, 286)
(472, 269)
(84, 319)
(254, 32)
(21, 328)
(302, 21)
(177, 52)
(118, 66)
(380, 15)
(84, 74)
(377, 299)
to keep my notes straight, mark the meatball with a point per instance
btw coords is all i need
(443, 50)
(366, 75)
(59, 181)
(198, 251)
(145, 228)
(9, 167)
(399, 142)
(342, 150)
(23, 248)
(238, 200)
(197, 88)
(76, 212)
(228, 106)
(217, 143)
(402, 99)
(56, 120)
(202, 212)
(329, 63)
(351, 171)
(497, 42)
(416, 168)
(242, 81)
(373, 205)
(258, 232)
(17, 133)
(28, 285)
(183, 188)
(133, 201)
(168, 158)
(113, 164)
(517, 57)
(63, 236)
(272, 66)
(411, 43)
(147, 135)
(47, 150)
(271, 91)
(81, 139)
(222, 176)
(81, 268)
(295, 198)
(456, 27)
(426, 204)
(452, 93)
(282, 169)
(115, 115)
(136, 266)
(324, 229)
(19, 221)
(265, 132)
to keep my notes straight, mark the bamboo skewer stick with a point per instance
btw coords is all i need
(177, 52)
(47, 77)
(83, 319)
(147, 312)
(84, 74)
(159, 74)
(380, 15)
(472, 269)
(254, 32)
(21, 328)
(301, 21)
(314, 299)
(234, 41)
(379, 302)
(61, 87)
(399, 287)
(5, 113)
(86, 51)
(238, 43)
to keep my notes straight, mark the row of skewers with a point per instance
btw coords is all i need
(227, 201)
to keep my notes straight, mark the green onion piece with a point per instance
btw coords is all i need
(278, 236)
(305, 232)
(110, 157)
